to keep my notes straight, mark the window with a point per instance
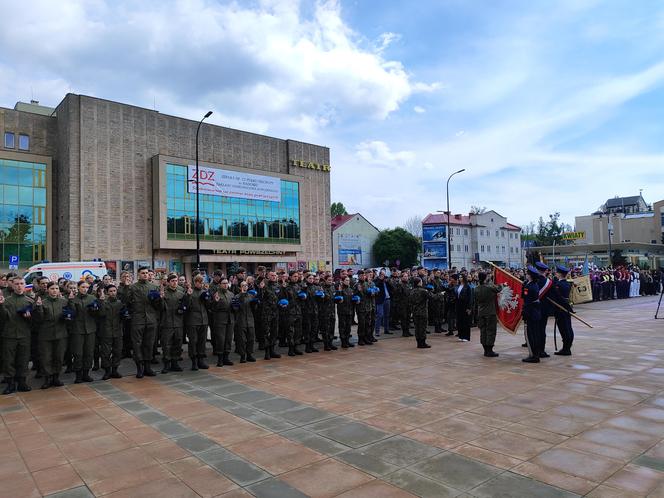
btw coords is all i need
(458, 247)
(23, 142)
(482, 248)
(465, 248)
(496, 233)
(503, 248)
(502, 234)
(488, 248)
(458, 231)
(465, 231)
(497, 249)
(9, 140)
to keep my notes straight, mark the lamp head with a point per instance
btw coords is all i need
(208, 114)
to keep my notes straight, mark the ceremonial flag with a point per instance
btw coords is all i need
(508, 303)
(581, 290)
(586, 270)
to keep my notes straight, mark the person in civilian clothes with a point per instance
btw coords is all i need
(532, 314)
(463, 308)
(109, 333)
(560, 295)
(49, 314)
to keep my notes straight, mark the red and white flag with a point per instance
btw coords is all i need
(508, 302)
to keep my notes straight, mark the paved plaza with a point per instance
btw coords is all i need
(382, 421)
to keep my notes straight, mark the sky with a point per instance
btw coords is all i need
(548, 106)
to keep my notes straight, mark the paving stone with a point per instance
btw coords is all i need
(120, 397)
(420, 486)
(80, 492)
(250, 396)
(305, 415)
(223, 403)
(269, 422)
(328, 424)
(275, 405)
(315, 442)
(367, 463)
(152, 417)
(105, 387)
(274, 488)
(240, 471)
(196, 443)
(455, 471)
(215, 456)
(408, 401)
(516, 486)
(650, 462)
(354, 434)
(400, 451)
(134, 406)
(227, 389)
(171, 428)
(10, 409)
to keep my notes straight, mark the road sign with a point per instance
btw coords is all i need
(13, 262)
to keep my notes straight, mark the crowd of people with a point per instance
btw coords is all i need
(623, 282)
(85, 325)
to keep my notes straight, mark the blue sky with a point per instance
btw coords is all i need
(550, 106)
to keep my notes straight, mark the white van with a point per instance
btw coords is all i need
(74, 270)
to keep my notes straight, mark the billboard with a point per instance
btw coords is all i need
(434, 250)
(430, 264)
(213, 181)
(350, 250)
(434, 233)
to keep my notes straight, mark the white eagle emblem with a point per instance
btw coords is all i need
(507, 300)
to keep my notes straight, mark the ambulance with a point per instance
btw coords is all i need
(74, 271)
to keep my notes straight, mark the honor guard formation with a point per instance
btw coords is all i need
(91, 324)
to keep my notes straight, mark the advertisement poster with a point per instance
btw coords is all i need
(160, 268)
(350, 250)
(175, 265)
(322, 266)
(281, 266)
(112, 269)
(141, 263)
(434, 233)
(433, 250)
(430, 264)
(302, 265)
(228, 183)
(127, 266)
(292, 266)
(313, 266)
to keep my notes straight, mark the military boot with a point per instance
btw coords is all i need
(95, 365)
(115, 374)
(220, 361)
(79, 377)
(175, 367)
(227, 360)
(489, 352)
(147, 369)
(140, 370)
(274, 354)
(267, 355)
(326, 346)
(291, 350)
(47, 382)
(243, 359)
(55, 381)
(332, 346)
(344, 343)
(86, 376)
(166, 368)
(250, 358)
(22, 385)
(194, 365)
(11, 386)
(107, 374)
(202, 364)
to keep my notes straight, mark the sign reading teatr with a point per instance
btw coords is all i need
(213, 181)
(311, 165)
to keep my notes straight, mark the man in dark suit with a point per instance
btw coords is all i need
(463, 309)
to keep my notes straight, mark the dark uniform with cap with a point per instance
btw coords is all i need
(545, 284)
(560, 294)
(532, 314)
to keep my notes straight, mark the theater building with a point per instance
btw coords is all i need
(96, 179)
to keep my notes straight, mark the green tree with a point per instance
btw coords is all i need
(396, 244)
(338, 208)
(18, 232)
(545, 232)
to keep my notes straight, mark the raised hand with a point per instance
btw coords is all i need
(216, 297)
(38, 302)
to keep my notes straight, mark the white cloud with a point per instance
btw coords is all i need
(377, 153)
(419, 109)
(269, 63)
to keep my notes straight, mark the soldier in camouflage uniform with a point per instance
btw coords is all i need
(224, 322)
(418, 301)
(171, 324)
(52, 337)
(83, 333)
(197, 300)
(15, 314)
(310, 314)
(326, 313)
(269, 291)
(402, 303)
(345, 310)
(290, 292)
(109, 333)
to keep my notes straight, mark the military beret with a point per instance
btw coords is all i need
(562, 269)
(541, 266)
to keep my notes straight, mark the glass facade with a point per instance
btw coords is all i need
(22, 211)
(230, 219)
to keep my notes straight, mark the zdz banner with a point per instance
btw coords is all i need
(508, 302)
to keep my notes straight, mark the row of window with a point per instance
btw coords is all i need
(23, 141)
(487, 232)
(499, 249)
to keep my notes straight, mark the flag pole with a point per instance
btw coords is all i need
(573, 315)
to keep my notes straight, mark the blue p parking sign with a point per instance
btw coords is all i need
(13, 262)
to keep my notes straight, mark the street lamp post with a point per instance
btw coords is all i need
(198, 221)
(609, 229)
(449, 248)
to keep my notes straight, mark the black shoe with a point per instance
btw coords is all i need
(148, 369)
(267, 355)
(202, 364)
(360, 342)
(55, 381)
(227, 361)
(165, 370)
(563, 352)
(291, 351)
(313, 349)
(251, 359)
(107, 374)
(544, 354)
(22, 386)
(449, 334)
(47, 382)
(531, 359)
(115, 374)
(326, 347)
(524, 345)
(140, 370)
(175, 367)
(274, 354)
(490, 353)
(344, 344)
(408, 334)
(11, 387)
(388, 332)
(79, 377)
(194, 365)
(220, 361)
(86, 376)
(350, 344)
(424, 345)
(243, 359)
(297, 351)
